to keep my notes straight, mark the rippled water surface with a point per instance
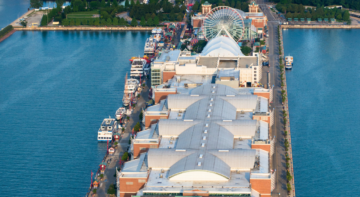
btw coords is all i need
(55, 89)
(323, 90)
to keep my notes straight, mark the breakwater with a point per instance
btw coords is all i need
(286, 121)
(85, 29)
(320, 26)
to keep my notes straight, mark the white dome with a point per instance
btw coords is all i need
(222, 47)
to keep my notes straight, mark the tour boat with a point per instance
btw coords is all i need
(289, 62)
(106, 130)
(131, 86)
(119, 113)
(150, 45)
(138, 67)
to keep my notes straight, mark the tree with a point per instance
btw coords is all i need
(72, 22)
(36, 3)
(115, 3)
(134, 22)
(77, 22)
(245, 50)
(109, 22)
(23, 23)
(103, 4)
(142, 22)
(97, 22)
(179, 17)
(132, 3)
(346, 16)
(156, 20)
(65, 22)
(150, 22)
(116, 21)
(127, 5)
(339, 17)
(103, 22)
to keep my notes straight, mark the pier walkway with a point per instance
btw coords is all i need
(287, 125)
(110, 175)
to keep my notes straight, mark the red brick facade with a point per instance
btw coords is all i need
(130, 186)
(141, 148)
(263, 186)
(149, 119)
(197, 23)
(265, 147)
(263, 118)
(263, 94)
(161, 95)
(168, 75)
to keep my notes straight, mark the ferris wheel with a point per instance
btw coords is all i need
(224, 21)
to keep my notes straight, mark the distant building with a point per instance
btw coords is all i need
(254, 21)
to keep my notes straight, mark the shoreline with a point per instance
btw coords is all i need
(85, 29)
(7, 35)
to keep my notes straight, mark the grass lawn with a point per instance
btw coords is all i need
(87, 14)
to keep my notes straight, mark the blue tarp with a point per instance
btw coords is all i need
(240, 44)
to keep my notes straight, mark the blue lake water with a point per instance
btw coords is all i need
(56, 88)
(324, 110)
(10, 10)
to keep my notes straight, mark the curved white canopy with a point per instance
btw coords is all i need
(222, 47)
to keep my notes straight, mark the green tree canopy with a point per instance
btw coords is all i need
(108, 22)
(150, 22)
(156, 20)
(142, 22)
(116, 21)
(36, 3)
(134, 22)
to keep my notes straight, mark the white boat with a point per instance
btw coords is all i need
(289, 62)
(106, 130)
(150, 45)
(138, 67)
(158, 37)
(154, 31)
(120, 113)
(131, 86)
(159, 31)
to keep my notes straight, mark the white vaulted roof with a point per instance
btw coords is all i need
(237, 158)
(179, 101)
(240, 128)
(242, 102)
(174, 127)
(165, 158)
(222, 47)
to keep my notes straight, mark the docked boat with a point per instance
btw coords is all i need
(120, 113)
(158, 37)
(106, 130)
(150, 46)
(154, 31)
(131, 86)
(289, 62)
(138, 67)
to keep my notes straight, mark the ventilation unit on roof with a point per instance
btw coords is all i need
(211, 99)
(242, 112)
(209, 110)
(162, 170)
(201, 156)
(204, 137)
(161, 176)
(169, 147)
(202, 144)
(237, 171)
(206, 125)
(213, 91)
(208, 115)
(199, 163)
(205, 131)
(210, 104)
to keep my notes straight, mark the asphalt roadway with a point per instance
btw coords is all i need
(278, 161)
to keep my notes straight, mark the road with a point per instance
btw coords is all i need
(278, 160)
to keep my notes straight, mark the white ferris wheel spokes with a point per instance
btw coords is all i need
(224, 21)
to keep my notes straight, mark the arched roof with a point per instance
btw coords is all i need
(222, 47)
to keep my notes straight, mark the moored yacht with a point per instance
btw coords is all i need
(289, 62)
(106, 130)
(131, 86)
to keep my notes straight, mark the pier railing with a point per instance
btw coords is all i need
(287, 118)
(61, 28)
